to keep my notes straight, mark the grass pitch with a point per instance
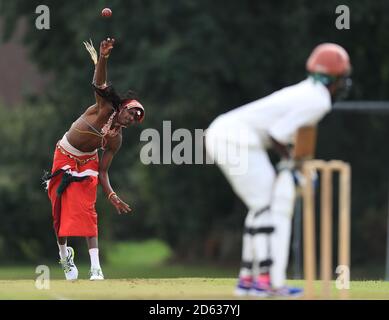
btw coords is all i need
(171, 288)
(148, 277)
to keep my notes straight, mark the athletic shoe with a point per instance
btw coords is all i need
(244, 286)
(291, 292)
(68, 266)
(260, 289)
(96, 274)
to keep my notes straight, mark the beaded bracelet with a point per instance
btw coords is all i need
(111, 194)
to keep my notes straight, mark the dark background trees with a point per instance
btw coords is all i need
(190, 61)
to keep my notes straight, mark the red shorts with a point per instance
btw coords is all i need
(74, 213)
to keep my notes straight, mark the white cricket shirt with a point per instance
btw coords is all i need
(279, 115)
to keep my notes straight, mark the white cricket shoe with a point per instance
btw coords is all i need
(68, 266)
(96, 274)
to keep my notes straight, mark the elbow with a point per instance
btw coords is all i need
(281, 149)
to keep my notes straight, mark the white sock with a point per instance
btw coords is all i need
(94, 258)
(63, 250)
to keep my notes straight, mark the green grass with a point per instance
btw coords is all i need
(145, 259)
(140, 270)
(175, 288)
(122, 272)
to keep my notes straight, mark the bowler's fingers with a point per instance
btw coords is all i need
(125, 208)
(125, 205)
(120, 205)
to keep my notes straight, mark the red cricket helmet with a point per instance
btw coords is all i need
(329, 59)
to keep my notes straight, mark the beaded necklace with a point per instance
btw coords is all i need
(105, 130)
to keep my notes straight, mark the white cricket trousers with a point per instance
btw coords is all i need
(266, 235)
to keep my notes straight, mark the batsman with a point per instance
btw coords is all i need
(239, 141)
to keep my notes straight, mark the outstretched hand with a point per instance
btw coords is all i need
(106, 47)
(120, 205)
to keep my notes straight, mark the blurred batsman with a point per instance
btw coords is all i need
(238, 142)
(76, 171)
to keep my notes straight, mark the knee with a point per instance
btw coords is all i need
(284, 195)
(256, 217)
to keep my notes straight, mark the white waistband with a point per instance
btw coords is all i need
(64, 143)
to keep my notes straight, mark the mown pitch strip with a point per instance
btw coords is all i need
(150, 289)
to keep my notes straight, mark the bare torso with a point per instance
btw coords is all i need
(84, 138)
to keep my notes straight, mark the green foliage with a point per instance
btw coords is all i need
(189, 61)
(24, 154)
(145, 253)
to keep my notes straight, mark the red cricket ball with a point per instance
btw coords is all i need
(106, 12)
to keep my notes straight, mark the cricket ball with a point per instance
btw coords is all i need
(106, 12)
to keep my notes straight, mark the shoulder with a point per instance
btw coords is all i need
(104, 108)
(103, 112)
(95, 112)
(91, 110)
(317, 89)
(314, 95)
(99, 109)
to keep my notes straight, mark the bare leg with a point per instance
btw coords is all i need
(62, 240)
(63, 251)
(95, 273)
(92, 242)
